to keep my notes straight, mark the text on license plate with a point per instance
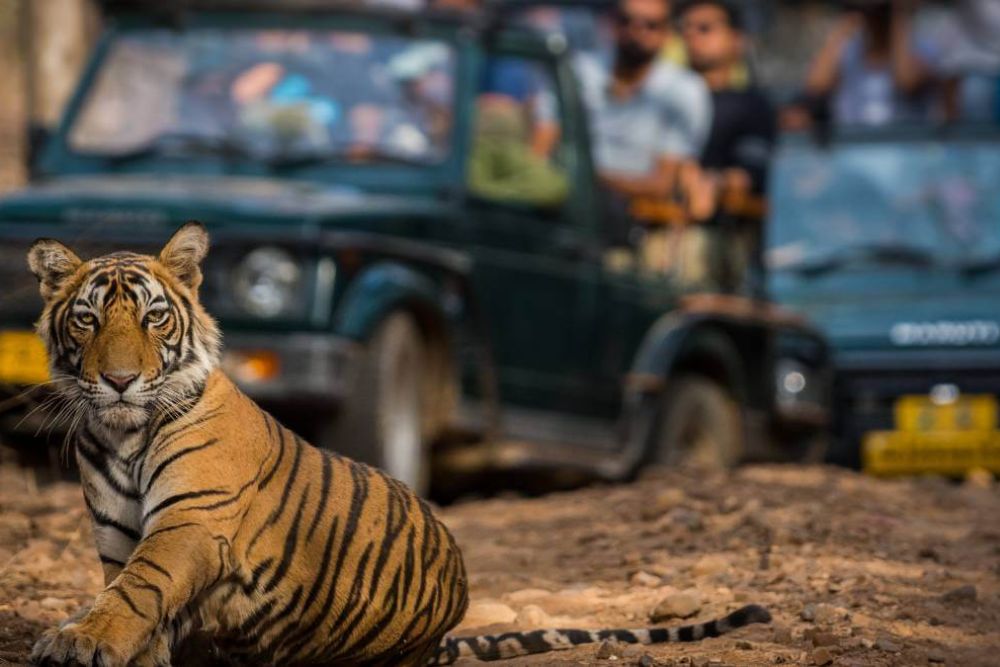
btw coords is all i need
(949, 438)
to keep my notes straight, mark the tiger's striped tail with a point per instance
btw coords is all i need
(513, 644)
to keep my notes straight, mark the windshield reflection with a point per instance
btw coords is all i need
(938, 198)
(270, 94)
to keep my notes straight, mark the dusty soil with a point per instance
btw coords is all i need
(856, 571)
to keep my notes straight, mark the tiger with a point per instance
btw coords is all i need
(211, 519)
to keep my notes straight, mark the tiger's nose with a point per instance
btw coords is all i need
(120, 381)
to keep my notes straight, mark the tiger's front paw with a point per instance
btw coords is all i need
(73, 645)
(47, 636)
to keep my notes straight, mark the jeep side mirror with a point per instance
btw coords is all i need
(38, 137)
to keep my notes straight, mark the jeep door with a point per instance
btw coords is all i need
(530, 236)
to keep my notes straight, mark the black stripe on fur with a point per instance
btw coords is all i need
(512, 644)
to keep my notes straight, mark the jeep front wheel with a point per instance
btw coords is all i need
(700, 425)
(381, 422)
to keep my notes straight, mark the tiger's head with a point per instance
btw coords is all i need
(126, 336)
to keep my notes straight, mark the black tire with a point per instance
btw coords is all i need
(381, 423)
(808, 447)
(700, 425)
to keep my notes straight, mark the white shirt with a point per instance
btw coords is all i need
(669, 115)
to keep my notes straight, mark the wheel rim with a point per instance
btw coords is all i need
(695, 447)
(401, 418)
(701, 451)
(695, 441)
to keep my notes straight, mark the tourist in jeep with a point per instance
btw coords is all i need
(649, 117)
(743, 132)
(875, 69)
(743, 129)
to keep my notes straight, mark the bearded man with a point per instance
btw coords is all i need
(649, 117)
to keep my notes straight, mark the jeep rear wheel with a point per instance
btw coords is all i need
(700, 425)
(381, 422)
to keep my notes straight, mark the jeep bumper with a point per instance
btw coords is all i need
(315, 369)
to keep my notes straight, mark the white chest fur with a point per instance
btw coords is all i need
(107, 462)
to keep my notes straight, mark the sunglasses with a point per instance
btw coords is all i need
(703, 28)
(626, 21)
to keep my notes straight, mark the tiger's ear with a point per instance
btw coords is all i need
(184, 251)
(52, 263)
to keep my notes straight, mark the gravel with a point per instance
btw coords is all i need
(566, 559)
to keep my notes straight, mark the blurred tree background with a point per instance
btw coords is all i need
(43, 45)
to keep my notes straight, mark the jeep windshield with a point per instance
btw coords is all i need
(284, 98)
(922, 201)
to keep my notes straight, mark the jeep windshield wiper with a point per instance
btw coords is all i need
(980, 265)
(368, 154)
(190, 144)
(879, 253)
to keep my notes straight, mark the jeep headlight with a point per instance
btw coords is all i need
(796, 384)
(267, 282)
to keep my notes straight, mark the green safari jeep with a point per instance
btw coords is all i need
(410, 259)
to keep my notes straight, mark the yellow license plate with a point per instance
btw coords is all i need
(920, 414)
(22, 358)
(931, 437)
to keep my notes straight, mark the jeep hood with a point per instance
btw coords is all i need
(901, 309)
(143, 203)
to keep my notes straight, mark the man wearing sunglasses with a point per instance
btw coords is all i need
(742, 137)
(649, 117)
(743, 125)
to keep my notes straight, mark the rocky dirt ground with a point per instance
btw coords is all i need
(856, 571)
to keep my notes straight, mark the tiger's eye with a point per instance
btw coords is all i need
(85, 319)
(156, 317)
